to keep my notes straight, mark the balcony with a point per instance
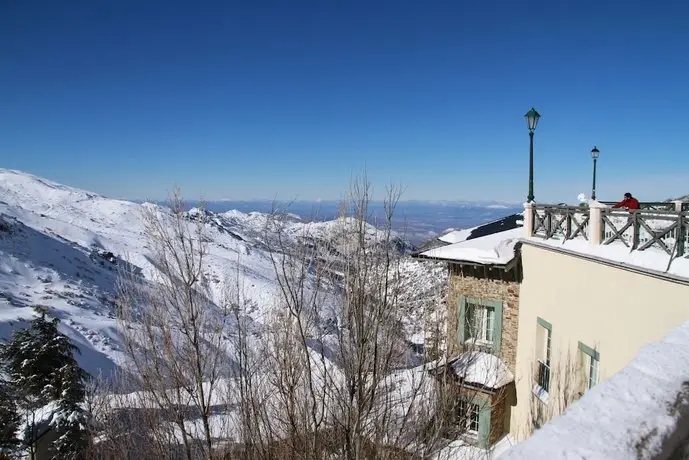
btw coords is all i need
(656, 226)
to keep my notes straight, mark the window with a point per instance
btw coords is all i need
(468, 415)
(473, 418)
(480, 321)
(590, 359)
(543, 353)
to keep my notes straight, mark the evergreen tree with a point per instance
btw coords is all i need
(70, 420)
(9, 420)
(41, 366)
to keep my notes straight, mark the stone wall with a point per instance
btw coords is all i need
(490, 284)
(497, 417)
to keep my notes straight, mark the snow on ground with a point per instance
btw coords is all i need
(639, 412)
(424, 293)
(462, 450)
(50, 256)
(409, 398)
(54, 246)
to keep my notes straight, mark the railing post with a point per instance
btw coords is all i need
(595, 222)
(636, 229)
(548, 223)
(678, 205)
(681, 233)
(528, 219)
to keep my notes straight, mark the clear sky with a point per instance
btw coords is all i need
(257, 99)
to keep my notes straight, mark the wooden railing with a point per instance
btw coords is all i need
(561, 222)
(644, 229)
(649, 205)
(638, 230)
(655, 205)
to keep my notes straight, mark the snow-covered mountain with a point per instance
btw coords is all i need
(61, 246)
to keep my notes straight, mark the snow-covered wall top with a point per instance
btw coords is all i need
(641, 412)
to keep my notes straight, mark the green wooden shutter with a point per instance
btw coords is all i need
(484, 425)
(461, 320)
(497, 326)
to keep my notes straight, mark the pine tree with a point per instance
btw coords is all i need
(9, 420)
(41, 367)
(70, 420)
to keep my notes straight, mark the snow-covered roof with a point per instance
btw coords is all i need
(482, 368)
(488, 228)
(639, 412)
(651, 259)
(456, 236)
(493, 249)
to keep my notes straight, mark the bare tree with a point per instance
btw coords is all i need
(342, 358)
(328, 374)
(565, 386)
(173, 327)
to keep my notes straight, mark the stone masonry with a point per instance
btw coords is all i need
(484, 283)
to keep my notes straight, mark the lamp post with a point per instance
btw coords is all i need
(594, 154)
(531, 121)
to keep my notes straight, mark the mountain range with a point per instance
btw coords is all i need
(62, 247)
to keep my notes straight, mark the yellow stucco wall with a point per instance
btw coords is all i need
(607, 308)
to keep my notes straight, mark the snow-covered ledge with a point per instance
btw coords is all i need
(641, 412)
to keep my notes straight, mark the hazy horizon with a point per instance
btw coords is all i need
(416, 221)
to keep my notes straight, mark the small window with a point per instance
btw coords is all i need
(590, 359)
(480, 323)
(543, 354)
(467, 415)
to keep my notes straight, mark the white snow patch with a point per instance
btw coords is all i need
(649, 259)
(483, 369)
(461, 450)
(497, 248)
(456, 236)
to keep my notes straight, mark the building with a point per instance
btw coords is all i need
(566, 298)
(483, 302)
(598, 284)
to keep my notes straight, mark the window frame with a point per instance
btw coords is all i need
(482, 407)
(470, 416)
(593, 364)
(497, 307)
(544, 368)
(487, 319)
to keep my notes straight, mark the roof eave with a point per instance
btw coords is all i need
(505, 266)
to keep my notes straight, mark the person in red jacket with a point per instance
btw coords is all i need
(629, 202)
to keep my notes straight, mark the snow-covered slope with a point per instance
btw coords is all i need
(61, 246)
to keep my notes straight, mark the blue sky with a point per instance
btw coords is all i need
(257, 99)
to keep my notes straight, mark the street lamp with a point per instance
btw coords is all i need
(594, 154)
(531, 121)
